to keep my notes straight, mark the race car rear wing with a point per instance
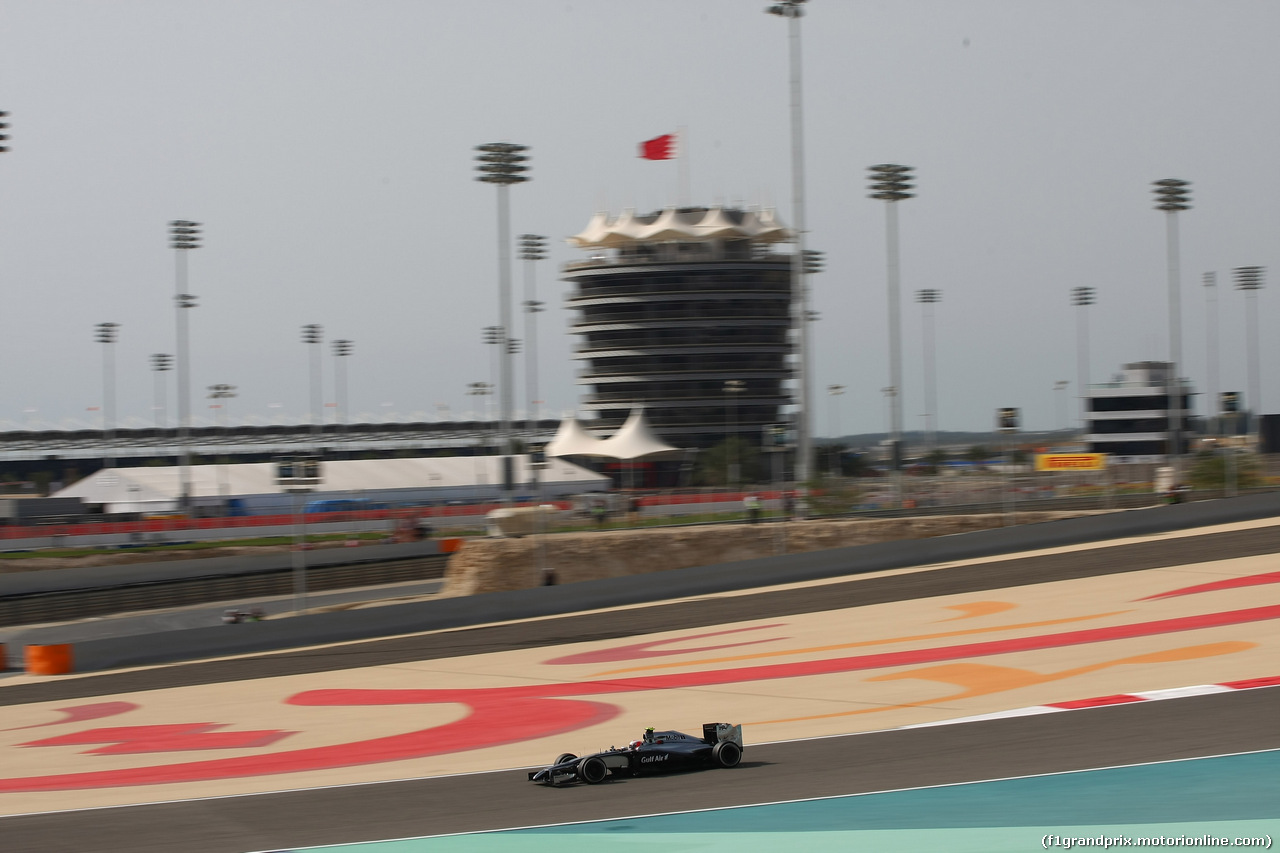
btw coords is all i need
(714, 733)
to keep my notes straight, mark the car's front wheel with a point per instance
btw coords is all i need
(726, 754)
(563, 757)
(592, 770)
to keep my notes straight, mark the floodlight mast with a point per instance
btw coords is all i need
(341, 350)
(928, 297)
(1082, 297)
(501, 164)
(313, 337)
(161, 362)
(184, 235)
(106, 335)
(533, 248)
(1173, 195)
(793, 11)
(891, 183)
(1250, 280)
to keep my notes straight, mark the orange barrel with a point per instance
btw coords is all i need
(449, 546)
(49, 660)
(4, 659)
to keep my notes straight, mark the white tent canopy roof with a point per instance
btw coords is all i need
(681, 225)
(634, 440)
(572, 439)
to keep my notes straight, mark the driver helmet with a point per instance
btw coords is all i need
(648, 735)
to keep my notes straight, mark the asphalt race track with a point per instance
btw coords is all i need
(1099, 737)
(1206, 725)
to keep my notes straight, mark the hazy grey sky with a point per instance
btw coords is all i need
(327, 148)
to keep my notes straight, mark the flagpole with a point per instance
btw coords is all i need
(682, 147)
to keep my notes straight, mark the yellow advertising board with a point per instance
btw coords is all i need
(1071, 461)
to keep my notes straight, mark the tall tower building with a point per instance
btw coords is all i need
(686, 313)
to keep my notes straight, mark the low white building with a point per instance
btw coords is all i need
(253, 486)
(1129, 417)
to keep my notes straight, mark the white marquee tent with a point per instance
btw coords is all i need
(572, 439)
(634, 440)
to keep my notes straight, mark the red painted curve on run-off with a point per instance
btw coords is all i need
(504, 715)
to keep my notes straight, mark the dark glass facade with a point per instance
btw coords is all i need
(1129, 416)
(666, 325)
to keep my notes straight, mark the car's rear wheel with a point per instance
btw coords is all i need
(563, 757)
(592, 770)
(726, 754)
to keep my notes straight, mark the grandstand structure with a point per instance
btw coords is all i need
(85, 449)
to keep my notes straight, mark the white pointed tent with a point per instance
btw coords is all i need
(634, 440)
(572, 439)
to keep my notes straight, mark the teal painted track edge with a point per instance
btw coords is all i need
(1228, 796)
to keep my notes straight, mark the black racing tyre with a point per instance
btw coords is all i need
(563, 757)
(592, 770)
(726, 754)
